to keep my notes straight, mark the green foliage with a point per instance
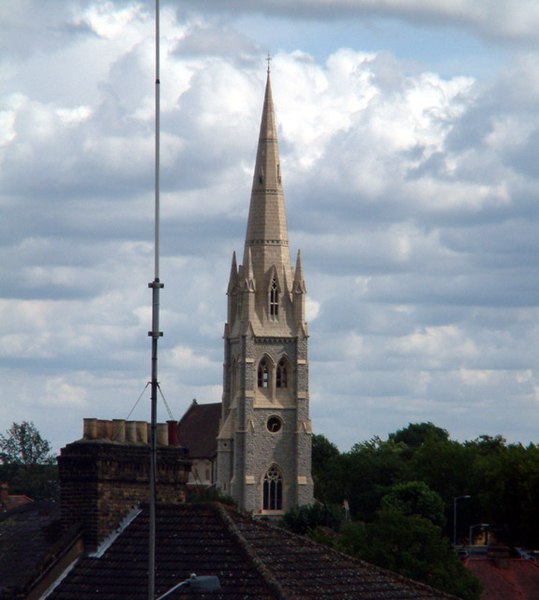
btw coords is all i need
(370, 470)
(412, 546)
(502, 479)
(326, 466)
(27, 464)
(416, 434)
(22, 444)
(210, 494)
(305, 519)
(323, 451)
(39, 482)
(415, 498)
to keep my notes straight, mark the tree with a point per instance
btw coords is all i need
(23, 445)
(371, 469)
(328, 470)
(26, 462)
(306, 519)
(415, 498)
(323, 451)
(416, 434)
(412, 546)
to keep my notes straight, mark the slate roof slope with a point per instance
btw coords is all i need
(254, 560)
(31, 539)
(189, 538)
(198, 429)
(308, 570)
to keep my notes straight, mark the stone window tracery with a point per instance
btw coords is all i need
(274, 299)
(282, 374)
(273, 490)
(263, 374)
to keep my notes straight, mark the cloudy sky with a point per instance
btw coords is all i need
(409, 137)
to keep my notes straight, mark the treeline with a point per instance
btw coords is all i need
(501, 479)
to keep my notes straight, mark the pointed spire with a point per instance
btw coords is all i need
(233, 274)
(299, 282)
(267, 233)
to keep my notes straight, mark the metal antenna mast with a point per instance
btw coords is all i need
(155, 334)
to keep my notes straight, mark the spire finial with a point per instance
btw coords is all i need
(268, 60)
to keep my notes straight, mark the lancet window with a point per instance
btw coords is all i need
(281, 378)
(263, 374)
(274, 299)
(273, 490)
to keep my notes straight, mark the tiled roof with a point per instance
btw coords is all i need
(513, 578)
(14, 501)
(30, 538)
(189, 538)
(254, 561)
(308, 570)
(198, 429)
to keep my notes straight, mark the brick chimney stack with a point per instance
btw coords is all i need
(105, 474)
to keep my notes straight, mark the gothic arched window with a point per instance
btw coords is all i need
(282, 373)
(274, 299)
(263, 373)
(273, 490)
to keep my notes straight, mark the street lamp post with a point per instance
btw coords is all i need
(202, 583)
(455, 500)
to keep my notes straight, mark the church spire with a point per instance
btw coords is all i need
(267, 233)
(264, 441)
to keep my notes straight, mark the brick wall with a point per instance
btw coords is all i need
(100, 481)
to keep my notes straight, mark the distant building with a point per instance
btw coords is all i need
(264, 442)
(10, 501)
(504, 576)
(197, 431)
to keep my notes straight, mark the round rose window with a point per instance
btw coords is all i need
(274, 424)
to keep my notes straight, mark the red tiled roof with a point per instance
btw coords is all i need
(14, 501)
(254, 561)
(517, 579)
(198, 429)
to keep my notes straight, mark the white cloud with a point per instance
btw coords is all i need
(411, 195)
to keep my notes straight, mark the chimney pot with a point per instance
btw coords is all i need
(172, 433)
(118, 430)
(162, 434)
(131, 431)
(89, 429)
(142, 432)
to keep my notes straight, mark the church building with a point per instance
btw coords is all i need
(264, 439)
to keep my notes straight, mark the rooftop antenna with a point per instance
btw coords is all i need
(155, 334)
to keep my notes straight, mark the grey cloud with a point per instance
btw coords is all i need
(490, 19)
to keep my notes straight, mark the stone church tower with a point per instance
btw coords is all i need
(264, 442)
